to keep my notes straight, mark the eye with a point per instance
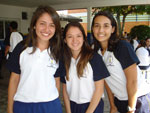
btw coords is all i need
(79, 36)
(106, 25)
(42, 23)
(52, 25)
(96, 25)
(68, 36)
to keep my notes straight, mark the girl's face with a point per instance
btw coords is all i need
(148, 42)
(102, 28)
(45, 28)
(74, 40)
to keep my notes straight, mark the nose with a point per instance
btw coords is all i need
(101, 29)
(47, 28)
(74, 39)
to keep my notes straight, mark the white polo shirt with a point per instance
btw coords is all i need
(37, 72)
(15, 38)
(80, 90)
(116, 62)
(143, 56)
(135, 44)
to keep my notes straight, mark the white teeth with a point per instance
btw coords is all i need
(101, 35)
(74, 44)
(45, 34)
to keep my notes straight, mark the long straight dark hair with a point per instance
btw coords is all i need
(85, 54)
(114, 38)
(56, 41)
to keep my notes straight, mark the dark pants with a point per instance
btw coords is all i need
(41, 107)
(142, 105)
(81, 108)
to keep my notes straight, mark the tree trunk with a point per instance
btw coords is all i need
(119, 24)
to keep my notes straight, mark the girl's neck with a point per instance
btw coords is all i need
(42, 45)
(75, 55)
(104, 46)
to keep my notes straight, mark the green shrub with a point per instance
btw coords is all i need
(141, 31)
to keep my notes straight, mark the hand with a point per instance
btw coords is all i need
(9, 111)
(130, 112)
(113, 109)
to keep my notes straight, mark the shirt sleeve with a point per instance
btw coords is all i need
(99, 69)
(13, 61)
(60, 72)
(126, 54)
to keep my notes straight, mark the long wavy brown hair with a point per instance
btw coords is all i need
(85, 54)
(55, 42)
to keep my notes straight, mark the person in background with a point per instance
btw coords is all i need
(15, 37)
(148, 45)
(134, 42)
(125, 83)
(143, 55)
(35, 66)
(85, 73)
(125, 35)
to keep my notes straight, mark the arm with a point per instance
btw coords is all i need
(6, 50)
(99, 89)
(113, 108)
(12, 88)
(131, 76)
(57, 79)
(66, 99)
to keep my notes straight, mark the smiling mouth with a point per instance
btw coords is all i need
(44, 34)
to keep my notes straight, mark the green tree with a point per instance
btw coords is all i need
(141, 31)
(124, 11)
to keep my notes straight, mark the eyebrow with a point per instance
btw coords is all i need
(104, 23)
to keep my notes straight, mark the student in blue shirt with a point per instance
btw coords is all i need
(126, 82)
(85, 73)
(35, 67)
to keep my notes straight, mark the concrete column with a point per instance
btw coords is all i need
(89, 17)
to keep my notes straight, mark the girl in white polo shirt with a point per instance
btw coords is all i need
(85, 73)
(121, 61)
(35, 66)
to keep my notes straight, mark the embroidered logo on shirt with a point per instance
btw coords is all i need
(110, 61)
(52, 63)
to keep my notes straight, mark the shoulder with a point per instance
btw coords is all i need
(123, 43)
(99, 69)
(123, 46)
(96, 58)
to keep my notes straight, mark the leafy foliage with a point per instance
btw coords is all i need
(141, 31)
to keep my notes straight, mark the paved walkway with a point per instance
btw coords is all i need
(3, 93)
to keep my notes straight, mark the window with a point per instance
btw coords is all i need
(4, 29)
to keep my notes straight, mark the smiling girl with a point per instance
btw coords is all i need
(85, 73)
(125, 85)
(35, 66)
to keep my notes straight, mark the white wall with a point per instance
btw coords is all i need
(15, 13)
(99, 3)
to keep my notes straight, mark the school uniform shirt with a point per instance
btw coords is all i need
(123, 57)
(15, 38)
(135, 44)
(80, 90)
(37, 72)
(143, 56)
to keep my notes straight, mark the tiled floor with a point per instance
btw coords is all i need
(3, 93)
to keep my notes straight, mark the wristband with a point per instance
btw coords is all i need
(130, 109)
